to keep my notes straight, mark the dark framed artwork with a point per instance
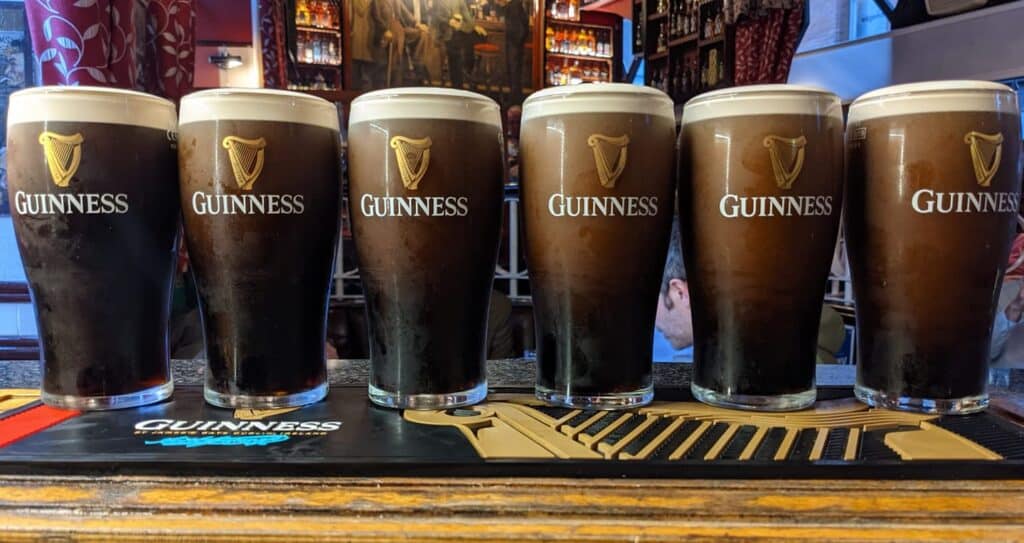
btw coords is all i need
(485, 46)
(15, 73)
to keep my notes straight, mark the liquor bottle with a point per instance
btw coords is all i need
(573, 8)
(549, 39)
(574, 73)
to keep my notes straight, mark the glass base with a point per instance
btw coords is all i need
(148, 396)
(398, 400)
(782, 402)
(248, 401)
(941, 406)
(604, 402)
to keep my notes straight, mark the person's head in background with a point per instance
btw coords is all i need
(673, 318)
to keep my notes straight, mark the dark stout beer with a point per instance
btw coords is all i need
(761, 183)
(426, 179)
(597, 202)
(93, 188)
(260, 192)
(934, 188)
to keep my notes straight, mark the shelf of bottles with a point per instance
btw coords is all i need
(576, 52)
(318, 45)
(687, 48)
(676, 22)
(579, 71)
(564, 10)
(578, 41)
(712, 22)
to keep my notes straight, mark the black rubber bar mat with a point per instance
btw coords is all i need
(511, 434)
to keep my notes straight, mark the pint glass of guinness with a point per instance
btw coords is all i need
(93, 189)
(934, 188)
(761, 183)
(261, 197)
(426, 181)
(598, 201)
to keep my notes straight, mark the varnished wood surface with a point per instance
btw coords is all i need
(114, 509)
(253, 509)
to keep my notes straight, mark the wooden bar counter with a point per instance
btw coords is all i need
(47, 506)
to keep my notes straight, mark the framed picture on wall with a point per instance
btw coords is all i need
(485, 46)
(15, 73)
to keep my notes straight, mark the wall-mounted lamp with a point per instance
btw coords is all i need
(225, 60)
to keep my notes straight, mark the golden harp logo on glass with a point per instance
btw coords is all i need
(787, 156)
(610, 155)
(787, 159)
(246, 159)
(413, 157)
(985, 148)
(63, 155)
(986, 153)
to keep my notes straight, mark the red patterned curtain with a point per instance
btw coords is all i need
(272, 38)
(97, 42)
(83, 42)
(170, 55)
(766, 40)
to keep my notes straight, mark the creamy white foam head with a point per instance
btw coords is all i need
(258, 105)
(762, 100)
(425, 103)
(934, 97)
(91, 105)
(598, 98)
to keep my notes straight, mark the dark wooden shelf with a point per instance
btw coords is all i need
(326, 30)
(682, 40)
(585, 80)
(720, 85)
(657, 56)
(579, 57)
(337, 95)
(657, 16)
(718, 39)
(318, 65)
